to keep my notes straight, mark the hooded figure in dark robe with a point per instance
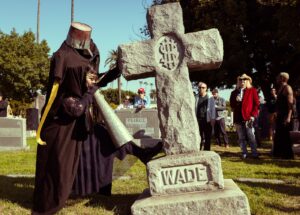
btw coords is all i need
(73, 150)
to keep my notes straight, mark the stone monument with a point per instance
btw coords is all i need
(186, 180)
(140, 124)
(12, 134)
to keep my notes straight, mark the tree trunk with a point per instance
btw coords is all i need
(119, 90)
(38, 22)
(72, 10)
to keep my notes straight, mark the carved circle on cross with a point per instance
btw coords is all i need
(168, 52)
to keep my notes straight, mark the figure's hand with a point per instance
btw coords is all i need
(287, 121)
(238, 98)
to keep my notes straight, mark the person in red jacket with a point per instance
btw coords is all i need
(245, 103)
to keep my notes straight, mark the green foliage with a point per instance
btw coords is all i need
(111, 96)
(24, 65)
(19, 107)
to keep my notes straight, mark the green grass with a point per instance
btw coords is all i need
(264, 198)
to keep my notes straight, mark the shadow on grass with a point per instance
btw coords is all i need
(17, 190)
(283, 208)
(286, 189)
(119, 203)
(265, 158)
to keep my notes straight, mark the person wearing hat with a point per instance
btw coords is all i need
(140, 101)
(282, 145)
(244, 102)
(219, 127)
(3, 106)
(75, 153)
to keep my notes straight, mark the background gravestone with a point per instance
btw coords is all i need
(186, 181)
(12, 133)
(140, 124)
(32, 119)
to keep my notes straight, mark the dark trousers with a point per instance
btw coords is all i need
(220, 130)
(205, 130)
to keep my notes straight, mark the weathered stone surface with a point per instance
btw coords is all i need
(140, 124)
(12, 133)
(168, 56)
(199, 171)
(163, 19)
(230, 200)
(203, 49)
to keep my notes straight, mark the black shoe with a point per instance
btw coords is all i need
(148, 153)
(106, 190)
(244, 156)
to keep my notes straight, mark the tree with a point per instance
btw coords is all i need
(261, 38)
(24, 66)
(112, 95)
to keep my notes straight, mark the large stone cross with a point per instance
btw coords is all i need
(168, 56)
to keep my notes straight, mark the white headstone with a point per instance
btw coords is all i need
(12, 133)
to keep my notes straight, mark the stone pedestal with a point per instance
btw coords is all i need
(230, 200)
(199, 171)
(190, 183)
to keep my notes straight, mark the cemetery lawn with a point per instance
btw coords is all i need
(265, 197)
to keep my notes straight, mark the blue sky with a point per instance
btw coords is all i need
(114, 22)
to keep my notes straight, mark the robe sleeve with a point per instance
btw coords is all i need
(109, 76)
(75, 107)
(57, 67)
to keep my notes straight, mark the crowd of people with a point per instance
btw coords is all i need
(245, 101)
(140, 101)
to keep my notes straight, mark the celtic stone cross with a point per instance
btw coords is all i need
(168, 56)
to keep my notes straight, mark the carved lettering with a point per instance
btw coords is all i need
(168, 177)
(184, 175)
(180, 177)
(168, 54)
(136, 121)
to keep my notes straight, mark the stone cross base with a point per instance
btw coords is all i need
(189, 172)
(230, 200)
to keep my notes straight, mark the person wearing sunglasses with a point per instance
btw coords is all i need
(245, 105)
(206, 114)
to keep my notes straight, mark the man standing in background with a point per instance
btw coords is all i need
(220, 128)
(244, 103)
(206, 114)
